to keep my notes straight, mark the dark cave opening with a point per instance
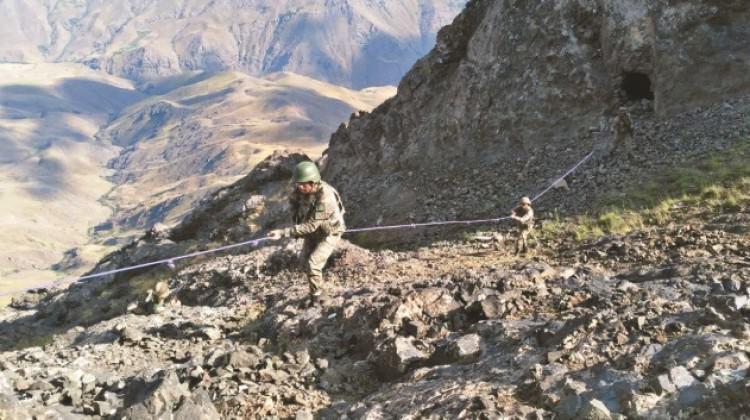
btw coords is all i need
(637, 86)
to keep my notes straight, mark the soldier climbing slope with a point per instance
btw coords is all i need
(524, 216)
(318, 216)
(623, 127)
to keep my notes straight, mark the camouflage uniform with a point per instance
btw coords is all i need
(525, 226)
(319, 218)
(623, 127)
(157, 297)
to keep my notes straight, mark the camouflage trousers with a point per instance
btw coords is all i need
(522, 238)
(315, 253)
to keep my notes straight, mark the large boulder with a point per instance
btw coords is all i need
(396, 356)
(163, 397)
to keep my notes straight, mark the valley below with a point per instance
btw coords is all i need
(89, 161)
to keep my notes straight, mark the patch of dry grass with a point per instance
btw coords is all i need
(718, 182)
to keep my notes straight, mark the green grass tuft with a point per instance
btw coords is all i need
(718, 182)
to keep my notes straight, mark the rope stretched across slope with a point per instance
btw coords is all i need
(170, 261)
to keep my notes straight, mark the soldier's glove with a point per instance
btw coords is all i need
(278, 234)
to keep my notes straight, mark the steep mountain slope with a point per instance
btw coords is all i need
(515, 92)
(52, 168)
(183, 145)
(356, 43)
(651, 323)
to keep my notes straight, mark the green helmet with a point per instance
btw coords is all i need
(306, 172)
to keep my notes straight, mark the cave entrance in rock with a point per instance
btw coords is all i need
(637, 86)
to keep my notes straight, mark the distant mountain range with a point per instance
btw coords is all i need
(352, 43)
(119, 114)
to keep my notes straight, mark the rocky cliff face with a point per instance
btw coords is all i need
(514, 92)
(345, 42)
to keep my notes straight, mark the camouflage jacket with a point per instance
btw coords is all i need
(525, 217)
(321, 211)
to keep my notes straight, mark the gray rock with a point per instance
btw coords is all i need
(641, 405)
(197, 406)
(239, 359)
(595, 410)
(739, 302)
(727, 369)
(681, 377)
(494, 306)
(396, 356)
(51, 398)
(158, 232)
(213, 357)
(154, 398)
(464, 349)
(27, 301)
(663, 385)
(73, 397)
(693, 395)
(302, 357)
(435, 302)
(272, 375)
(197, 372)
(22, 385)
(686, 349)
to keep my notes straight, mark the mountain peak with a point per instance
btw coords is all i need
(353, 43)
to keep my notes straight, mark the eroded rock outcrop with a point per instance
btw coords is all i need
(514, 93)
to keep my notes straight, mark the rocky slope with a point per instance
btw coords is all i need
(354, 43)
(511, 87)
(651, 324)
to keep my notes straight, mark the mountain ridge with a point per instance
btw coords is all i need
(353, 43)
